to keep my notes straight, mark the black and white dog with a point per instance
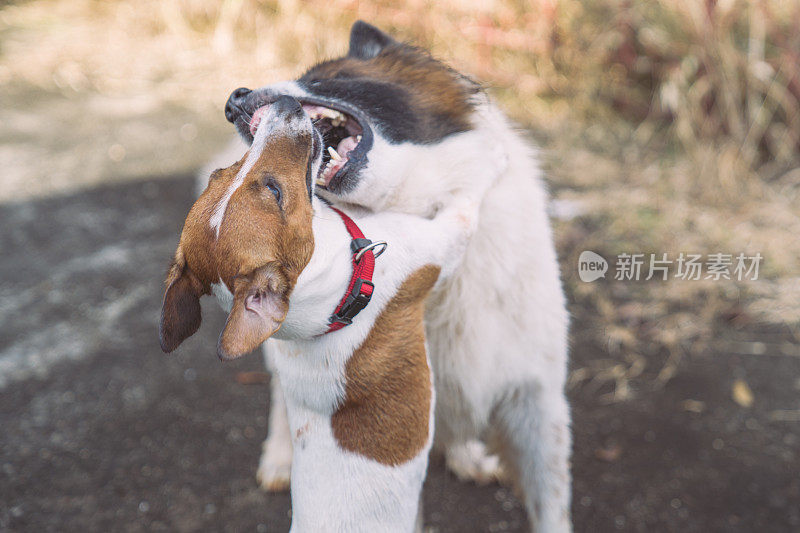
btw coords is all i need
(404, 132)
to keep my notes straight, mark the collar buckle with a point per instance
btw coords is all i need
(356, 300)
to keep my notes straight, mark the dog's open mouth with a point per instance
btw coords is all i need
(341, 133)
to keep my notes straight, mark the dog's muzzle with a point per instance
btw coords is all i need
(234, 107)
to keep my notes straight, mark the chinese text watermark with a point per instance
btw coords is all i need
(684, 266)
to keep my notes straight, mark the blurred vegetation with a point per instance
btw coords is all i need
(668, 126)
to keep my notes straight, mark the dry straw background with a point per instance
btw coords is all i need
(665, 126)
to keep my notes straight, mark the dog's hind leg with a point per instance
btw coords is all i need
(531, 423)
(275, 466)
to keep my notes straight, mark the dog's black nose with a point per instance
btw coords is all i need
(286, 105)
(233, 107)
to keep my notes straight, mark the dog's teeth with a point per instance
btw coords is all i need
(332, 113)
(334, 154)
(337, 118)
(358, 138)
(321, 181)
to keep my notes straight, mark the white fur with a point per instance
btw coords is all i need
(471, 462)
(497, 330)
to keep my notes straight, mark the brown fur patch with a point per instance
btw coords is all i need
(255, 232)
(386, 410)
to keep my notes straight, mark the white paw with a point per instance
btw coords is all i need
(275, 466)
(470, 461)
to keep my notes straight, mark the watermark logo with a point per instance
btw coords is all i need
(684, 266)
(591, 266)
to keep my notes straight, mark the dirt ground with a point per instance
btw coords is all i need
(103, 432)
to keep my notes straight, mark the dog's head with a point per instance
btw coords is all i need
(382, 96)
(251, 231)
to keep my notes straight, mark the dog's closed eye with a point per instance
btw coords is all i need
(274, 187)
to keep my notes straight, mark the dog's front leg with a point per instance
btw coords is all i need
(275, 466)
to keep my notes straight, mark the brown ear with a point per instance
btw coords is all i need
(180, 311)
(260, 303)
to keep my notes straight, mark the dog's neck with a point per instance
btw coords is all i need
(324, 281)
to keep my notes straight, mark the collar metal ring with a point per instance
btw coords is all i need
(375, 244)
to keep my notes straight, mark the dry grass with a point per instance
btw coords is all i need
(674, 125)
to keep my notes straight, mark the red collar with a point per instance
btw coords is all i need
(359, 290)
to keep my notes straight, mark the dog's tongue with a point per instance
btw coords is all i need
(255, 120)
(333, 166)
(346, 145)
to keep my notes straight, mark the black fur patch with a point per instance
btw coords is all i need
(390, 107)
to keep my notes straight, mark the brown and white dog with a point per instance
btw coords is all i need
(411, 134)
(360, 398)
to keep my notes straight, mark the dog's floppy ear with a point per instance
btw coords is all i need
(367, 41)
(260, 303)
(180, 310)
